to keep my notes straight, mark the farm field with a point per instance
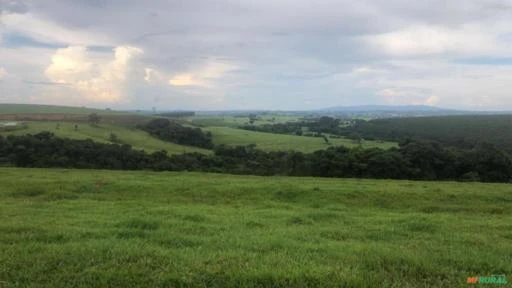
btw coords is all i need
(235, 121)
(273, 142)
(134, 137)
(83, 228)
(50, 109)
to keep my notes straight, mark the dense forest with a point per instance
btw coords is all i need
(412, 160)
(456, 131)
(460, 131)
(174, 132)
(323, 124)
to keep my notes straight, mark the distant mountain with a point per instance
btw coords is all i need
(391, 111)
(385, 108)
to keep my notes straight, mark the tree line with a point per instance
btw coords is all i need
(415, 160)
(461, 131)
(316, 126)
(174, 132)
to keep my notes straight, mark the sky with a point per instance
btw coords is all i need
(256, 54)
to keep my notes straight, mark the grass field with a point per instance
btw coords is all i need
(232, 121)
(134, 137)
(223, 129)
(272, 142)
(72, 228)
(44, 109)
(221, 135)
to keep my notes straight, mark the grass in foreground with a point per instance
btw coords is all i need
(134, 137)
(72, 228)
(273, 142)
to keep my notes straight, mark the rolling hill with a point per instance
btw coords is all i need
(51, 109)
(271, 142)
(465, 131)
(134, 137)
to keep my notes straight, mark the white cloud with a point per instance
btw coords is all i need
(69, 64)
(98, 81)
(209, 75)
(427, 40)
(407, 96)
(239, 54)
(432, 100)
(3, 73)
(443, 83)
(152, 75)
(185, 80)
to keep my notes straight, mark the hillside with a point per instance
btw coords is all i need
(51, 109)
(465, 131)
(63, 228)
(273, 142)
(239, 120)
(220, 135)
(134, 137)
(388, 108)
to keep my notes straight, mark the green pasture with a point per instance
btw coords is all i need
(101, 133)
(236, 121)
(51, 109)
(83, 228)
(273, 142)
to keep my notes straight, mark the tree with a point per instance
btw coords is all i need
(113, 138)
(252, 118)
(492, 164)
(94, 119)
(325, 139)
(174, 132)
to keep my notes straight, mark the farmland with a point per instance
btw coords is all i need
(86, 228)
(235, 121)
(123, 126)
(221, 135)
(49, 109)
(101, 133)
(273, 142)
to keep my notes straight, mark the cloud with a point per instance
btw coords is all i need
(185, 80)
(432, 100)
(408, 96)
(69, 64)
(425, 40)
(289, 54)
(152, 75)
(207, 74)
(3, 73)
(45, 31)
(443, 83)
(97, 80)
(12, 6)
